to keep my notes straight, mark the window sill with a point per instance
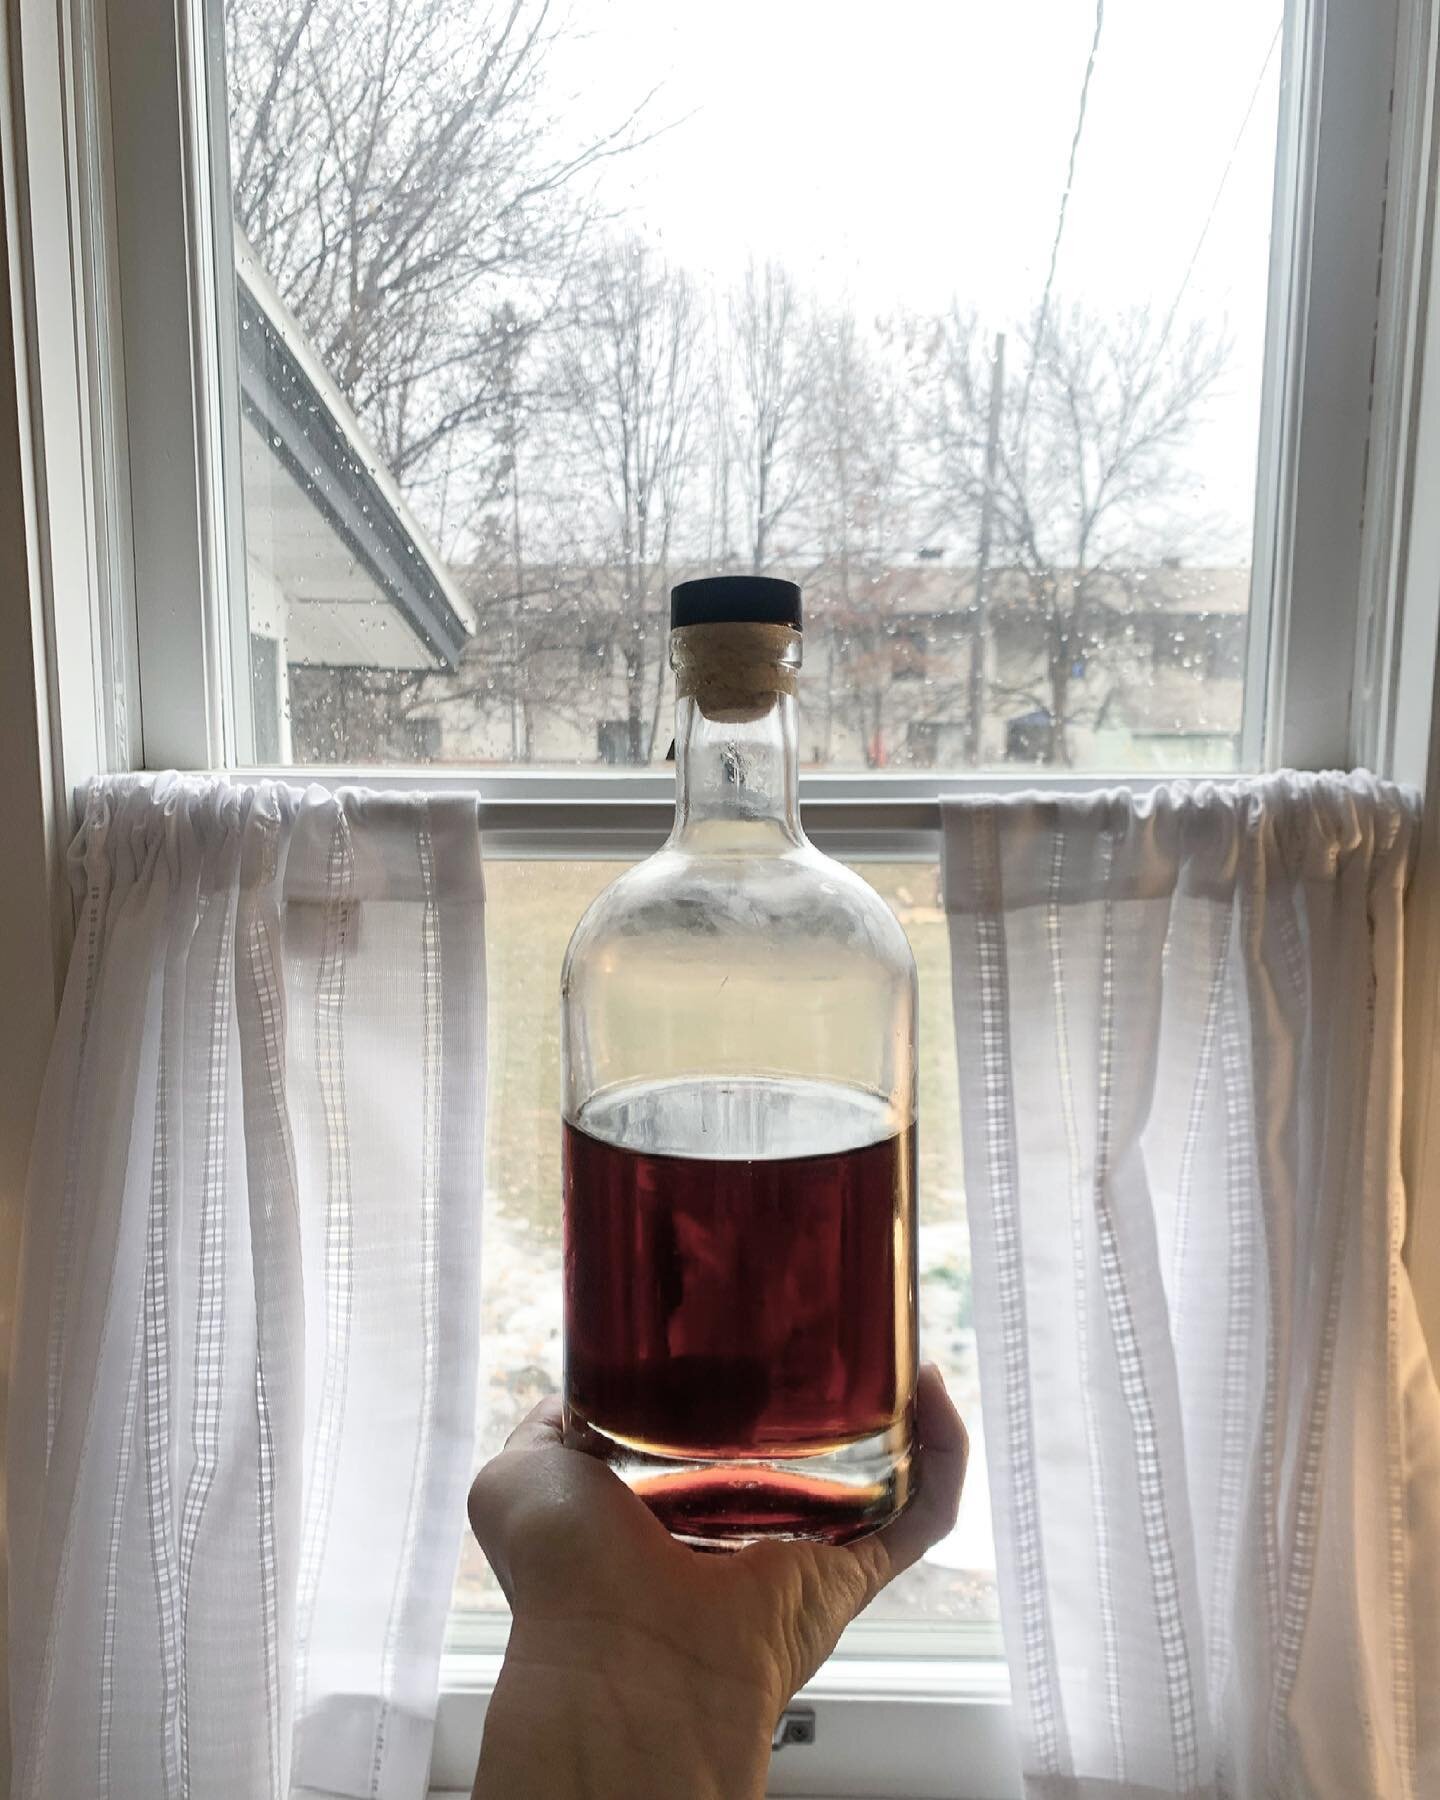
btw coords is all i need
(886, 1728)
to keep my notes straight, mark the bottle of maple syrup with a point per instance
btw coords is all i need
(739, 1038)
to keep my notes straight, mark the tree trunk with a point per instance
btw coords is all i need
(634, 698)
(975, 698)
(519, 710)
(762, 500)
(1059, 671)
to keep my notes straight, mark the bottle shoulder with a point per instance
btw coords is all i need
(765, 903)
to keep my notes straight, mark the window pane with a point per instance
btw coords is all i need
(532, 907)
(954, 314)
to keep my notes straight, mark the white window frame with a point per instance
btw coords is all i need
(121, 289)
(885, 1727)
(1332, 678)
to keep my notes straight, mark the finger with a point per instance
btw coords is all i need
(944, 1450)
(542, 1426)
(938, 1424)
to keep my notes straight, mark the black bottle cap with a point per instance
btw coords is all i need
(735, 600)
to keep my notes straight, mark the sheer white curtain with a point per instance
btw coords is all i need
(1214, 1439)
(244, 1399)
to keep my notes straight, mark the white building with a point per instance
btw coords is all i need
(339, 573)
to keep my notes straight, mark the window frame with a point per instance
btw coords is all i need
(112, 202)
(932, 1729)
(139, 131)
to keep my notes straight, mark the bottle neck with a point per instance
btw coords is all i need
(737, 783)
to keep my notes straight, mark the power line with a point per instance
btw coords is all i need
(1219, 190)
(1064, 206)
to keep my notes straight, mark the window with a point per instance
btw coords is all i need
(509, 365)
(532, 909)
(375, 518)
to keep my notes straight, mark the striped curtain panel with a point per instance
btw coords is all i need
(1213, 1434)
(242, 1415)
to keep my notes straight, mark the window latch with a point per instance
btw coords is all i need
(796, 1725)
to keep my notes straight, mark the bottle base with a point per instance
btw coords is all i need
(833, 1495)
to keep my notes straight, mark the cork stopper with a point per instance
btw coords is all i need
(733, 671)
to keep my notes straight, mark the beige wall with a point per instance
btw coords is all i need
(32, 909)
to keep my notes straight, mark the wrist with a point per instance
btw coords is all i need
(597, 1708)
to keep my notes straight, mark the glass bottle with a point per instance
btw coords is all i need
(739, 1096)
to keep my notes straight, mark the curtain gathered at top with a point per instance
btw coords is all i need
(242, 1412)
(243, 1407)
(1212, 1430)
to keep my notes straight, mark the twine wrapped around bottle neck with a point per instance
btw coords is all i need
(733, 671)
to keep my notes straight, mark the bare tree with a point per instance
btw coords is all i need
(773, 363)
(630, 356)
(498, 580)
(398, 170)
(574, 532)
(507, 671)
(1085, 481)
(855, 447)
(719, 429)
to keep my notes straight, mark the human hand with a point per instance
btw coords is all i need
(637, 1666)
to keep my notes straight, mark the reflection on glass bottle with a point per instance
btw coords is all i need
(739, 1095)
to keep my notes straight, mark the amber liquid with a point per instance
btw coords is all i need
(728, 1313)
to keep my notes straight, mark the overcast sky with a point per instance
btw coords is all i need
(907, 152)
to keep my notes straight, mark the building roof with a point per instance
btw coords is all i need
(893, 591)
(324, 518)
(936, 588)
